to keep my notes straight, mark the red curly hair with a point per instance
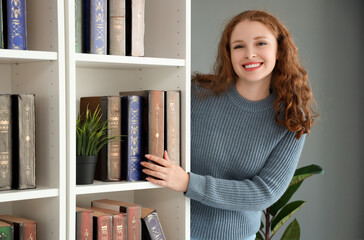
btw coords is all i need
(289, 78)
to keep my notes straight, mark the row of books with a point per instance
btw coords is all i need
(13, 27)
(17, 141)
(109, 219)
(14, 227)
(149, 120)
(114, 27)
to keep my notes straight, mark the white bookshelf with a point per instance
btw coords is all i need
(166, 66)
(41, 70)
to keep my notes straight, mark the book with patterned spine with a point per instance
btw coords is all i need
(78, 26)
(132, 210)
(23, 228)
(98, 26)
(131, 126)
(5, 142)
(102, 226)
(109, 162)
(17, 25)
(156, 123)
(6, 231)
(151, 225)
(117, 27)
(172, 125)
(135, 27)
(84, 224)
(23, 147)
(119, 222)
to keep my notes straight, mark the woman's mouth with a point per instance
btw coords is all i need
(252, 66)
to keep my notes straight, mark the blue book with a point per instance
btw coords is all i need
(151, 225)
(131, 127)
(98, 26)
(17, 27)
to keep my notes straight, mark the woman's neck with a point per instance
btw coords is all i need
(253, 91)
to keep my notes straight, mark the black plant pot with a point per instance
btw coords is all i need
(85, 169)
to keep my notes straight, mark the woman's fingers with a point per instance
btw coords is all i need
(159, 160)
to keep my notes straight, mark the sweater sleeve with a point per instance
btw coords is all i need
(254, 194)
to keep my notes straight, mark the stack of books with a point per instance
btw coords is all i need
(14, 227)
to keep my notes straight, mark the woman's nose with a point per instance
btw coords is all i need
(250, 53)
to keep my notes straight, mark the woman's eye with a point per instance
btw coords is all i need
(262, 43)
(238, 46)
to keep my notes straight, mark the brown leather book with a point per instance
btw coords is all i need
(131, 209)
(84, 224)
(173, 126)
(135, 27)
(119, 222)
(5, 142)
(23, 228)
(108, 166)
(102, 226)
(156, 123)
(117, 27)
(23, 132)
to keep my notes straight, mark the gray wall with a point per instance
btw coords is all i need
(330, 38)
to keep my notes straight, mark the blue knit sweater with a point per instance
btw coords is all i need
(242, 161)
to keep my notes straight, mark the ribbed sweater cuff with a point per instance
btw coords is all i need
(196, 187)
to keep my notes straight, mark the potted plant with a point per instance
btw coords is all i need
(91, 136)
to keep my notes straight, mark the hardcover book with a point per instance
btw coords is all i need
(84, 224)
(24, 228)
(173, 122)
(135, 27)
(78, 26)
(119, 222)
(131, 126)
(131, 209)
(1, 25)
(23, 148)
(151, 225)
(98, 26)
(86, 40)
(5, 142)
(102, 226)
(109, 161)
(16, 24)
(117, 27)
(6, 231)
(156, 123)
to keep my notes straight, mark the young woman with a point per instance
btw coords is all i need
(248, 125)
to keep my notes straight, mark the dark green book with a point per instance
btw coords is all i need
(78, 25)
(6, 231)
(5, 142)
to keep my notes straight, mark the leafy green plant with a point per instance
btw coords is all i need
(91, 133)
(281, 211)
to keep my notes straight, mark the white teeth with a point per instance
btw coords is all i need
(252, 65)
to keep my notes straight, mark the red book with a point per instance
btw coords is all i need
(102, 226)
(23, 228)
(119, 222)
(133, 211)
(84, 224)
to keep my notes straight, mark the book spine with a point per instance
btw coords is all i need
(84, 224)
(17, 28)
(173, 126)
(134, 223)
(1, 25)
(5, 142)
(120, 226)
(86, 41)
(113, 148)
(7, 232)
(138, 26)
(102, 228)
(23, 106)
(156, 123)
(132, 127)
(78, 25)
(154, 227)
(117, 27)
(5, 22)
(28, 230)
(98, 26)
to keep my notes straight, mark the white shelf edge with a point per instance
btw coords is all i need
(22, 56)
(112, 61)
(26, 194)
(102, 187)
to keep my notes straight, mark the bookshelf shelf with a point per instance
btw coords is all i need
(8, 56)
(99, 186)
(39, 192)
(125, 62)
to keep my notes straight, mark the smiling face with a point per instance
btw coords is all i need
(253, 50)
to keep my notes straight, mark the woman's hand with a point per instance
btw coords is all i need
(168, 174)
